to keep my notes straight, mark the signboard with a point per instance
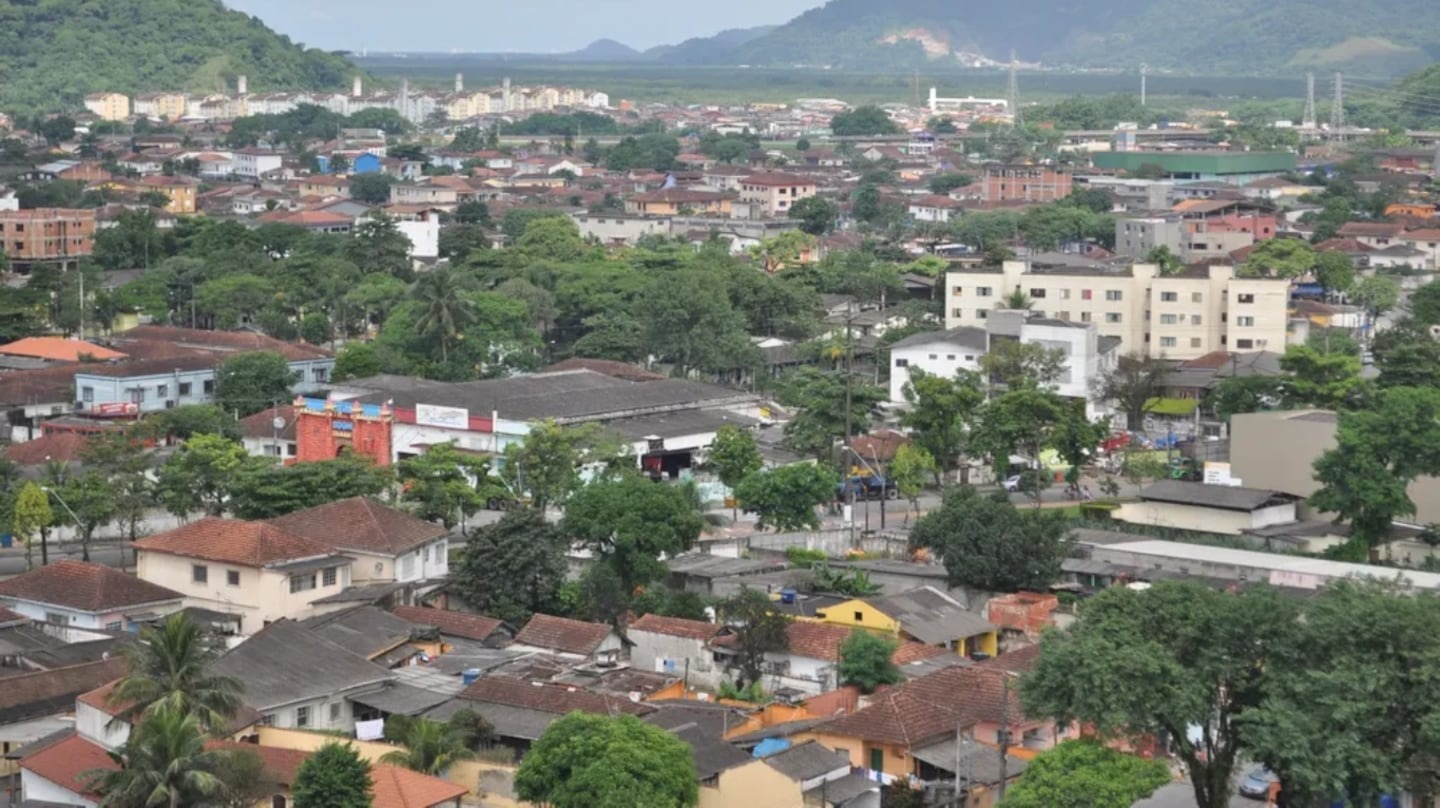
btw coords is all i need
(117, 409)
(1219, 474)
(442, 417)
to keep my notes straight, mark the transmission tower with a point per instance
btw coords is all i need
(1337, 110)
(1307, 121)
(1013, 96)
(1144, 69)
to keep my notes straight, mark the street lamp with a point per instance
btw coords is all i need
(44, 556)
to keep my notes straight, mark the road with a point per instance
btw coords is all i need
(1181, 795)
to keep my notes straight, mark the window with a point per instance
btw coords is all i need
(87, 394)
(1167, 342)
(1113, 295)
(957, 312)
(185, 388)
(291, 449)
(1194, 342)
(1244, 344)
(982, 291)
(137, 395)
(162, 390)
(949, 357)
(1087, 294)
(267, 720)
(57, 618)
(1084, 316)
(321, 374)
(208, 386)
(302, 716)
(1112, 316)
(1169, 297)
(302, 583)
(115, 626)
(933, 357)
(1197, 297)
(1064, 294)
(958, 291)
(335, 713)
(232, 577)
(1038, 294)
(329, 576)
(1062, 315)
(200, 574)
(1246, 298)
(1169, 319)
(981, 314)
(902, 363)
(1194, 319)
(1244, 321)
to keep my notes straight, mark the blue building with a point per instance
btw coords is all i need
(152, 385)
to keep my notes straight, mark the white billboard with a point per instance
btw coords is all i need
(442, 417)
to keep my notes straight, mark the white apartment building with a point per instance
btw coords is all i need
(1179, 316)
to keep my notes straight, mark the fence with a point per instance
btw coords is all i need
(835, 542)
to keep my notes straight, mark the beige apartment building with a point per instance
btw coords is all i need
(108, 106)
(1176, 316)
(774, 194)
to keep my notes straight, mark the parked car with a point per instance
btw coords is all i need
(1256, 783)
(867, 487)
(1023, 481)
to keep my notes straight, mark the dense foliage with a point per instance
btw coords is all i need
(595, 761)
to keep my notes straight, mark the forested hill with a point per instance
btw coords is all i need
(53, 52)
(1249, 37)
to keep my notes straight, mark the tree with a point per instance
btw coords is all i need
(472, 212)
(356, 360)
(1242, 394)
(1315, 379)
(268, 490)
(513, 568)
(1134, 383)
(163, 762)
(1334, 271)
(594, 761)
(863, 121)
(832, 406)
(1171, 658)
(987, 543)
(243, 779)
(1378, 294)
(371, 189)
(941, 413)
(1378, 452)
(865, 661)
(785, 498)
(1084, 774)
(912, 466)
(1407, 356)
(1278, 258)
(802, 145)
(168, 670)
(440, 484)
(1024, 422)
(945, 183)
(431, 747)
(334, 777)
(1168, 262)
(376, 245)
(759, 630)
(446, 308)
(546, 466)
(89, 500)
(817, 215)
(1425, 304)
(199, 475)
(32, 519)
(686, 317)
(248, 383)
(734, 455)
(183, 423)
(629, 522)
(1012, 364)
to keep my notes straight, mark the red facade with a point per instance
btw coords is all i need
(325, 430)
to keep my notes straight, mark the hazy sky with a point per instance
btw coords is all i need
(508, 25)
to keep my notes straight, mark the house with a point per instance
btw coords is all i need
(574, 638)
(253, 571)
(261, 436)
(1208, 508)
(824, 776)
(1027, 183)
(937, 353)
(251, 163)
(488, 631)
(86, 595)
(377, 635)
(925, 615)
(520, 711)
(679, 202)
(386, 544)
(730, 778)
(294, 677)
(62, 771)
(808, 663)
(1375, 235)
(775, 194)
(43, 235)
(159, 384)
(934, 208)
(108, 106)
(38, 703)
(676, 646)
(59, 349)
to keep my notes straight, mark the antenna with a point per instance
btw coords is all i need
(1307, 121)
(1144, 69)
(1013, 94)
(1337, 109)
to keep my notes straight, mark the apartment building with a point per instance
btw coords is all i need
(1013, 183)
(774, 194)
(1178, 316)
(46, 234)
(108, 106)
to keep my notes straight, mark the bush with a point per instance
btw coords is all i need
(803, 557)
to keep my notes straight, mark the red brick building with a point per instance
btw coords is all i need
(46, 234)
(1024, 183)
(326, 429)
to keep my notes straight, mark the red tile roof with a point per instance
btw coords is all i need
(84, 586)
(7, 616)
(563, 634)
(776, 180)
(823, 640)
(70, 763)
(262, 424)
(548, 698)
(1381, 229)
(361, 524)
(249, 544)
(281, 765)
(220, 341)
(394, 787)
(934, 705)
(58, 349)
(677, 627)
(456, 624)
(64, 447)
(99, 698)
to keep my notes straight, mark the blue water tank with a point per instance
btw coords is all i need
(469, 675)
(787, 595)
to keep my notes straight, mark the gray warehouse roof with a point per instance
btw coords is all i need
(1229, 498)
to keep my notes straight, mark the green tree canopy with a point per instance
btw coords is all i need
(1084, 774)
(264, 491)
(513, 568)
(759, 628)
(594, 761)
(168, 670)
(865, 661)
(334, 777)
(941, 413)
(629, 521)
(248, 383)
(1279, 258)
(199, 476)
(441, 484)
(867, 120)
(987, 543)
(785, 498)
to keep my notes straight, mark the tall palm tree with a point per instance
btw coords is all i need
(430, 748)
(164, 762)
(447, 310)
(169, 668)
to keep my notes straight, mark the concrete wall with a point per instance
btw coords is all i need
(936, 359)
(751, 785)
(689, 658)
(262, 595)
(1194, 517)
(94, 724)
(37, 789)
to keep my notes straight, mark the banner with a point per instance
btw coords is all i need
(442, 417)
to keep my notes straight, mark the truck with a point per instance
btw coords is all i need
(867, 486)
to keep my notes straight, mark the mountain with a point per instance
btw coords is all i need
(1236, 37)
(707, 50)
(59, 50)
(604, 50)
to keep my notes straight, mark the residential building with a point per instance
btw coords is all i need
(261, 436)
(824, 777)
(424, 193)
(294, 677)
(1208, 508)
(153, 385)
(924, 615)
(84, 595)
(180, 192)
(775, 194)
(379, 636)
(1425, 241)
(59, 350)
(108, 106)
(387, 545)
(677, 647)
(421, 225)
(252, 163)
(41, 235)
(616, 229)
(161, 106)
(1024, 183)
(253, 571)
(808, 664)
(679, 202)
(937, 353)
(488, 631)
(572, 638)
(1178, 316)
(520, 711)
(934, 208)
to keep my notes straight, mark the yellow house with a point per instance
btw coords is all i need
(181, 193)
(679, 201)
(924, 615)
(108, 106)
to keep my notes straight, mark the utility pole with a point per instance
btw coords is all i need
(1012, 97)
(1144, 69)
(1307, 121)
(1337, 109)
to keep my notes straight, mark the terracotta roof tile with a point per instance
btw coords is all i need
(362, 524)
(394, 787)
(280, 764)
(99, 698)
(823, 640)
(64, 447)
(58, 349)
(563, 634)
(220, 341)
(70, 764)
(548, 698)
(456, 624)
(250, 544)
(676, 627)
(933, 705)
(1382, 229)
(84, 586)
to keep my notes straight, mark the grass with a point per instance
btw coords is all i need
(1172, 406)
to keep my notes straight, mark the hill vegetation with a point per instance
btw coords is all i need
(59, 50)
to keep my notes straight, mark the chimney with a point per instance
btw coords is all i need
(242, 85)
(459, 82)
(355, 89)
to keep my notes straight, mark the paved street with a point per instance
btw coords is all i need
(1180, 795)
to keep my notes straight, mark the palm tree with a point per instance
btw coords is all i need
(169, 668)
(164, 762)
(1016, 300)
(430, 748)
(447, 311)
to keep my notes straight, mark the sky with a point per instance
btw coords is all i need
(535, 26)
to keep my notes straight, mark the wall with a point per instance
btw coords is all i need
(1190, 517)
(807, 674)
(37, 789)
(689, 658)
(424, 235)
(95, 724)
(262, 595)
(610, 228)
(845, 614)
(935, 358)
(896, 761)
(751, 785)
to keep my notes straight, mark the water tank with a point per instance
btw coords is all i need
(469, 675)
(787, 595)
